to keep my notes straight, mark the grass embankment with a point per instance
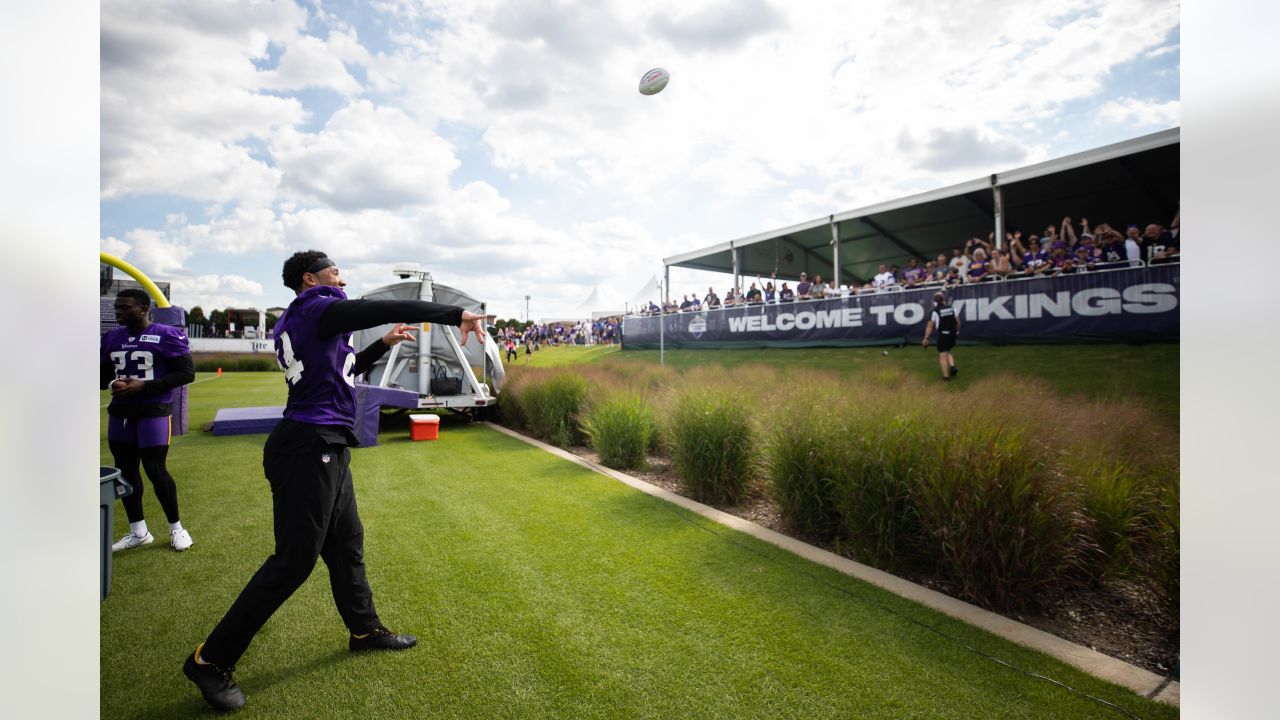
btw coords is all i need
(538, 590)
(1147, 374)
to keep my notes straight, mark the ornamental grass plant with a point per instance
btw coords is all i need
(998, 520)
(712, 444)
(551, 407)
(619, 427)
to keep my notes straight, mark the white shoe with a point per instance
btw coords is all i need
(180, 540)
(132, 541)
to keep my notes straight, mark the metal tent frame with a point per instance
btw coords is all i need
(1134, 181)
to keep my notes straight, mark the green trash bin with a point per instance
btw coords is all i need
(111, 486)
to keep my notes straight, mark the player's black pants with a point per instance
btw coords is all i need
(314, 505)
(126, 457)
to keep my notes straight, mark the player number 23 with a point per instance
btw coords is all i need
(145, 364)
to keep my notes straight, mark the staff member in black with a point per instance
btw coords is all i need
(945, 319)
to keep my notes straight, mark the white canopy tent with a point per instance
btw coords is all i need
(646, 293)
(600, 303)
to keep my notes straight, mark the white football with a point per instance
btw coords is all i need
(653, 81)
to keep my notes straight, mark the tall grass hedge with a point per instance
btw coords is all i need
(620, 428)
(711, 444)
(551, 407)
(256, 362)
(996, 517)
(805, 464)
(888, 456)
(1003, 492)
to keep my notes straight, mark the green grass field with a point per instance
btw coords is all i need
(1146, 374)
(539, 589)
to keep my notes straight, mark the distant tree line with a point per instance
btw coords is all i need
(216, 323)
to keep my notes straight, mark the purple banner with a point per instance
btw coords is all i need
(1133, 304)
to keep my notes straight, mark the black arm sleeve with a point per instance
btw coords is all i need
(181, 371)
(106, 373)
(368, 356)
(351, 315)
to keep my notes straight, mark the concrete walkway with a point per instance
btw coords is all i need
(1102, 666)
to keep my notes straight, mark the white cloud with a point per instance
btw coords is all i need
(366, 157)
(243, 230)
(348, 237)
(179, 89)
(963, 148)
(312, 62)
(115, 246)
(156, 252)
(212, 284)
(1142, 113)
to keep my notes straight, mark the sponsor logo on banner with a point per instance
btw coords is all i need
(698, 325)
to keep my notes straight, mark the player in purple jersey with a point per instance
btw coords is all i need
(142, 362)
(307, 463)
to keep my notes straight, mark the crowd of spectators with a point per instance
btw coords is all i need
(602, 331)
(1058, 250)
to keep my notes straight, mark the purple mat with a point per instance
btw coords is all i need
(370, 399)
(246, 421)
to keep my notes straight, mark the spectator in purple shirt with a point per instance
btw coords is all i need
(1036, 260)
(978, 267)
(1112, 246)
(803, 287)
(1060, 261)
(307, 463)
(1083, 261)
(914, 274)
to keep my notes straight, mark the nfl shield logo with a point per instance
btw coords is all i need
(698, 325)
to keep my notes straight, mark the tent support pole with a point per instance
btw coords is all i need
(835, 251)
(998, 206)
(737, 278)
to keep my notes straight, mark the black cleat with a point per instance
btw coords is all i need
(954, 371)
(215, 683)
(380, 638)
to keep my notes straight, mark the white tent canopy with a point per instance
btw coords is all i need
(600, 303)
(646, 293)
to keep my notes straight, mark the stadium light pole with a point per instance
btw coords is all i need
(526, 308)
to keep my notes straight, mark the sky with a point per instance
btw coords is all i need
(504, 146)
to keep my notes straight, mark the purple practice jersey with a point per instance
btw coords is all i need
(144, 356)
(317, 369)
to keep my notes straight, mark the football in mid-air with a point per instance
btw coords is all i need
(653, 81)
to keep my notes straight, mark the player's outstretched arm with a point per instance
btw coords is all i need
(351, 315)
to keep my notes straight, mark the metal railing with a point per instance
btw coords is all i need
(897, 288)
